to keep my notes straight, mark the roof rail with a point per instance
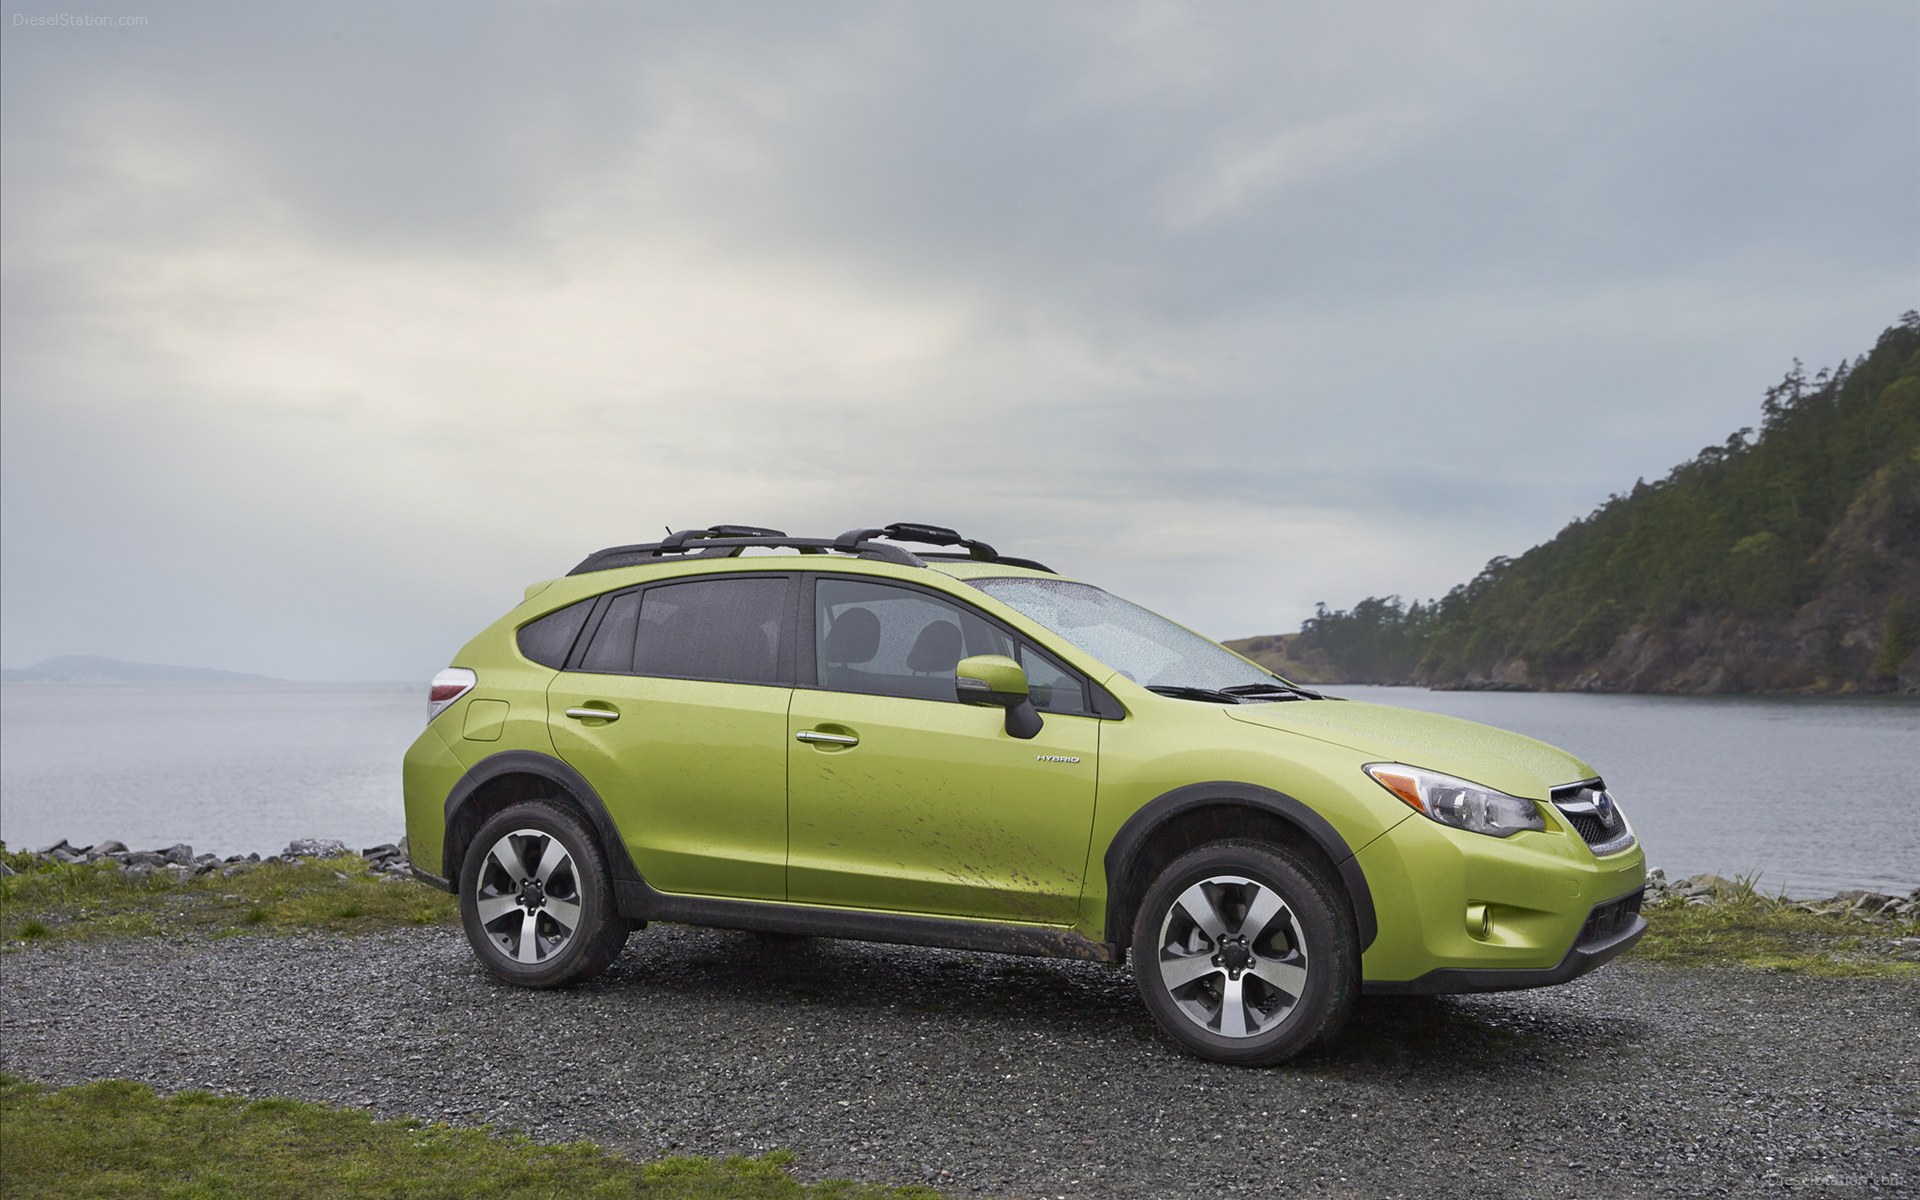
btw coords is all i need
(727, 540)
(923, 534)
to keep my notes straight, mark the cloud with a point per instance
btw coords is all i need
(327, 329)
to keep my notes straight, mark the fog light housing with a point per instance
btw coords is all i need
(1479, 921)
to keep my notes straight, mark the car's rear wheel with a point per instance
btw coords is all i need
(1245, 954)
(536, 897)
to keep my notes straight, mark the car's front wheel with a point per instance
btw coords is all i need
(536, 897)
(1244, 954)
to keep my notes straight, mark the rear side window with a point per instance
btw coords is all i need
(611, 651)
(729, 630)
(548, 640)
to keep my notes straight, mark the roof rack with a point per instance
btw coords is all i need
(939, 535)
(720, 541)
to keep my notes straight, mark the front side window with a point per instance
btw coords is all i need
(891, 641)
(1050, 688)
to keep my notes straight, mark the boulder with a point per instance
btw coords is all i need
(1707, 885)
(1863, 901)
(180, 854)
(314, 848)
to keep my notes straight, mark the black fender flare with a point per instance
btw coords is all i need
(1125, 848)
(531, 762)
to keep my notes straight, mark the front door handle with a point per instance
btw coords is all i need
(585, 713)
(831, 739)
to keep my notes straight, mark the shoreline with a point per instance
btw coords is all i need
(391, 859)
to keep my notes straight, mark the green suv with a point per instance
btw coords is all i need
(844, 737)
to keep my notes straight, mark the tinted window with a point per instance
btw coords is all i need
(548, 640)
(890, 641)
(611, 651)
(723, 629)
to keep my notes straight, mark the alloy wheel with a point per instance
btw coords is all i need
(527, 896)
(1232, 956)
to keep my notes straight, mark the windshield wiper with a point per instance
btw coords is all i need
(1185, 692)
(1278, 691)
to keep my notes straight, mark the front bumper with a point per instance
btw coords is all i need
(1611, 929)
(1460, 911)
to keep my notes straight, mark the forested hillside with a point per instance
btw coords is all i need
(1786, 559)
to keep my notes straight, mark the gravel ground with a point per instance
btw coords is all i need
(1015, 1077)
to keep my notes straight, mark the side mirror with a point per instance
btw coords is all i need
(996, 681)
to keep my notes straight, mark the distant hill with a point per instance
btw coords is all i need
(88, 668)
(1783, 562)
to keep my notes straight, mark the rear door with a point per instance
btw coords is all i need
(674, 707)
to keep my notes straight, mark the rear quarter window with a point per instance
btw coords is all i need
(549, 639)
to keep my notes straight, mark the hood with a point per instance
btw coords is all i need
(1517, 765)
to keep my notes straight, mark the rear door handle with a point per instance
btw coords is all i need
(594, 714)
(832, 739)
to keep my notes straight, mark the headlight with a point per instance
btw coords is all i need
(1456, 802)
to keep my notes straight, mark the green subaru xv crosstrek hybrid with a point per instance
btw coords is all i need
(843, 737)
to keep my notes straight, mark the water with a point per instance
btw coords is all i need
(1813, 795)
(230, 769)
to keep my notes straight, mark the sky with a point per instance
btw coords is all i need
(327, 328)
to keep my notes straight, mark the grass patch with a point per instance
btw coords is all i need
(1753, 930)
(117, 1138)
(52, 902)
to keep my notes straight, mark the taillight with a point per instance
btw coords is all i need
(448, 686)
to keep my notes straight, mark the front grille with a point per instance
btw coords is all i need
(1609, 919)
(1594, 816)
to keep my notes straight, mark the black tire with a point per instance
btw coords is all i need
(1280, 971)
(496, 901)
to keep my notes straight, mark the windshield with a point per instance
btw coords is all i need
(1144, 646)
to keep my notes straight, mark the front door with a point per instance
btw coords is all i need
(902, 799)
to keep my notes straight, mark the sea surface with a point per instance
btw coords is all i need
(1809, 795)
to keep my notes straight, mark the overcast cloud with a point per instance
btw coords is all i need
(328, 328)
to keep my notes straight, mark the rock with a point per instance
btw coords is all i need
(1709, 885)
(106, 848)
(384, 850)
(59, 845)
(179, 871)
(140, 870)
(1861, 900)
(314, 848)
(179, 854)
(148, 859)
(239, 868)
(6, 870)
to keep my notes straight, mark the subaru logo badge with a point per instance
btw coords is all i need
(1603, 807)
